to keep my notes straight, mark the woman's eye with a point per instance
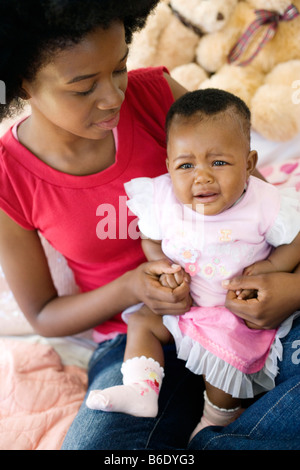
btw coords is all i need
(121, 71)
(87, 92)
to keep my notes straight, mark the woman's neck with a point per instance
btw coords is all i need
(66, 152)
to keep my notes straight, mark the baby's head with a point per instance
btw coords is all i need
(208, 145)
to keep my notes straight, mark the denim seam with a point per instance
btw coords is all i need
(253, 429)
(164, 411)
(275, 404)
(98, 355)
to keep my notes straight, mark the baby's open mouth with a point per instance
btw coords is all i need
(206, 197)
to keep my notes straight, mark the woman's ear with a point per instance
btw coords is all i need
(167, 163)
(23, 94)
(251, 162)
(24, 91)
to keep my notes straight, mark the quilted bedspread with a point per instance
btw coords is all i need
(39, 396)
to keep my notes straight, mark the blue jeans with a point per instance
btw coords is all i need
(180, 407)
(272, 422)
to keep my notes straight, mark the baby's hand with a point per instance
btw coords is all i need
(173, 280)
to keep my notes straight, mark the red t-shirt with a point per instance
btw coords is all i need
(85, 217)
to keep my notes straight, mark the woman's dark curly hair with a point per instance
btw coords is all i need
(31, 31)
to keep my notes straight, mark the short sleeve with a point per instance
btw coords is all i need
(287, 223)
(142, 203)
(13, 194)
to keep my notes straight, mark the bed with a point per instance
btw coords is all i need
(43, 380)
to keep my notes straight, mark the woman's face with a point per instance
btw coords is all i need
(81, 91)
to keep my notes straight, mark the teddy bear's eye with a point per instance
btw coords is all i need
(220, 16)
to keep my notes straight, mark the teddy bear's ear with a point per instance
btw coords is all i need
(173, 32)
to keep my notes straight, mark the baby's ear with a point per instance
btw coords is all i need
(167, 163)
(251, 162)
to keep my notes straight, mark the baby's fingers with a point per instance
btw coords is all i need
(246, 294)
(168, 280)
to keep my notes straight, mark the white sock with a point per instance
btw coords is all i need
(138, 396)
(215, 416)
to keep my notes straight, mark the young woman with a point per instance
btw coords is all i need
(92, 128)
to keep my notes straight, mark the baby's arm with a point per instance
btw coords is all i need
(284, 258)
(153, 252)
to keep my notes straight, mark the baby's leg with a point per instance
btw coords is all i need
(142, 370)
(145, 335)
(221, 399)
(220, 409)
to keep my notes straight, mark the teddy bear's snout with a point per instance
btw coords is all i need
(220, 16)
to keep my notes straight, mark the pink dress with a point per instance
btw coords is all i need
(212, 340)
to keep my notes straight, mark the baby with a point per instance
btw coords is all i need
(212, 218)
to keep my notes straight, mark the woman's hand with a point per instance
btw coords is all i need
(160, 299)
(278, 296)
(260, 267)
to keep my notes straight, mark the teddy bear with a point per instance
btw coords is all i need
(172, 33)
(258, 62)
(275, 106)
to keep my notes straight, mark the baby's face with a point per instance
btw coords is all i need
(209, 162)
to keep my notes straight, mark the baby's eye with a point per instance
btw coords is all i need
(219, 163)
(186, 166)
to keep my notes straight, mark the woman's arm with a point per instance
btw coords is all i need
(26, 269)
(177, 89)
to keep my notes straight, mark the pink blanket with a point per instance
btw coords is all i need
(39, 397)
(286, 174)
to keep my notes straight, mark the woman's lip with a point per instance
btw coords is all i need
(108, 124)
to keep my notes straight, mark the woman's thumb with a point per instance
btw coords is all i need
(162, 267)
(240, 282)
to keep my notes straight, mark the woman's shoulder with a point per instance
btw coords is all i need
(150, 84)
(147, 74)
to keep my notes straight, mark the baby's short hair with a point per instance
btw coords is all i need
(210, 102)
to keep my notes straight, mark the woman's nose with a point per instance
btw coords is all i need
(111, 96)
